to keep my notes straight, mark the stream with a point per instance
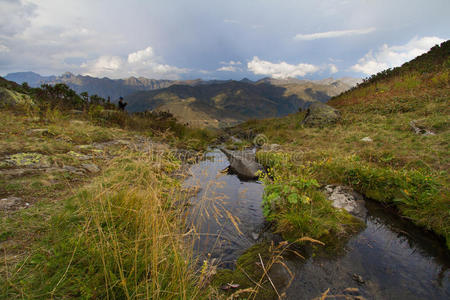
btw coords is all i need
(394, 258)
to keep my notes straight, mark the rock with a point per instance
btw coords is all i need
(270, 147)
(243, 163)
(255, 236)
(235, 140)
(74, 170)
(77, 122)
(419, 129)
(345, 198)
(358, 278)
(41, 131)
(13, 98)
(91, 168)
(29, 160)
(367, 139)
(319, 115)
(8, 203)
(79, 156)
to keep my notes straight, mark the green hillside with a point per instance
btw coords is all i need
(373, 147)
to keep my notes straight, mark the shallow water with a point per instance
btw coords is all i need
(395, 259)
(226, 212)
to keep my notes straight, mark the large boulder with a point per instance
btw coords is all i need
(243, 163)
(13, 98)
(320, 115)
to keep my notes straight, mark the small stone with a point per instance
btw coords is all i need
(74, 170)
(91, 168)
(367, 139)
(41, 131)
(79, 156)
(419, 129)
(7, 203)
(358, 278)
(255, 236)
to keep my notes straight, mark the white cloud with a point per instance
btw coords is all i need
(333, 34)
(394, 56)
(4, 48)
(230, 66)
(139, 63)
(103, 65)
(141, 56)
(231, 62)
(227, 69)
(279, 70)
(333, 68)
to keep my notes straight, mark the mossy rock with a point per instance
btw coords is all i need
(13, 98)
(27, 160)
(321, 115)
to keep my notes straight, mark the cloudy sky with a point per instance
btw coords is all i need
(181, 39)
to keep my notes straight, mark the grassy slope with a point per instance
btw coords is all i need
(399, 167)
(115, 234)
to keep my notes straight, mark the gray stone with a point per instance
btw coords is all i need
(255, 236)
(243, 163)
(235, 139)
(367, 139)
(28, 160)
(270, 147)
(41, 131)
(358, 278)
(343, 197)
(319, 115)
(419, 129)
(74, 170)
(8, 203)
(91, 168)
(79, 156)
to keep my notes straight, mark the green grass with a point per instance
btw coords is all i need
(119, 237)
(399, 167)
(293, 201)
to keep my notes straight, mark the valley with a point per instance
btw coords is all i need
(273, 189)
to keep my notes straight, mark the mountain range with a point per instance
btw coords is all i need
(231, 102)
(210, 103)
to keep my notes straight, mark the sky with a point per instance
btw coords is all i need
(209, 39)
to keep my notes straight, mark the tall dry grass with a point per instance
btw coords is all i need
(121, 237)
